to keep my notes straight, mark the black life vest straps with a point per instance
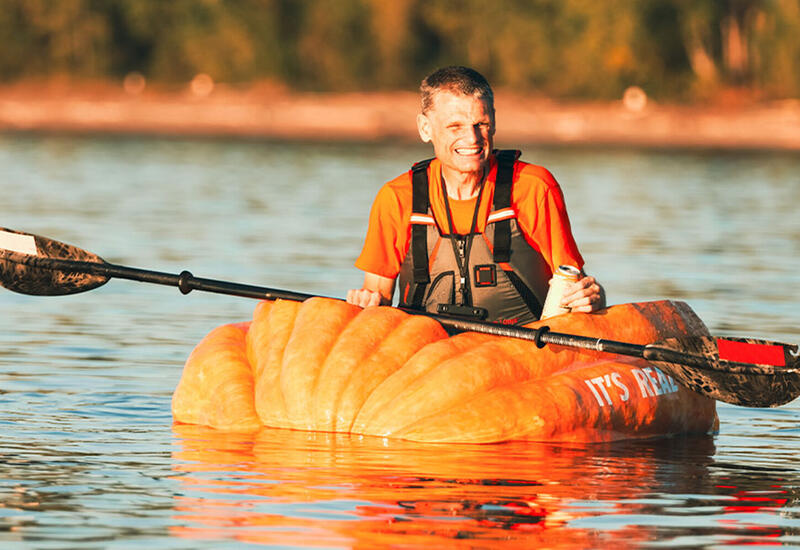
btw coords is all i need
(419, 240)
(420, 205)
(502, 199)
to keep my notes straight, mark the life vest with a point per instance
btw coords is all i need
(494, 275)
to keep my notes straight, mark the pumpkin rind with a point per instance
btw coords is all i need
(218, 397)
(270, 334)
(325, 365)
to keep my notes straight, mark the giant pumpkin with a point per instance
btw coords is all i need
(325, 365)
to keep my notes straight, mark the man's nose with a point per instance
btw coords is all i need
(475, 133)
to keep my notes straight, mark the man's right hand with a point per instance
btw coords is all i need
(364, 297)
(377, 291)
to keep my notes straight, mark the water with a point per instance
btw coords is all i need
(89, 457)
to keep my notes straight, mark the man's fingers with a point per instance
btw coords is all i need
(585, 295)
(363, 297)
(579, 289)
(354, 296)
(374, 299)
(585, 304)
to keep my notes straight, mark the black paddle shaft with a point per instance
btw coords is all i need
(186, 282)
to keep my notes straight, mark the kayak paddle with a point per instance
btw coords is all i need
(741, 371)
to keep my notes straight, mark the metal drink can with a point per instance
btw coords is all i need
(563, 276)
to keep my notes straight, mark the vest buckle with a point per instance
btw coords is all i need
(471, 312)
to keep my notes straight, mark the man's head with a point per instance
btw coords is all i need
(458, 119)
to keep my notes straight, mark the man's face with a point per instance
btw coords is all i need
(461, 129)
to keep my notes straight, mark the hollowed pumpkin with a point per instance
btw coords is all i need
(325, 365)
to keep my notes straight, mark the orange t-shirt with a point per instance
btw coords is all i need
(536, 198)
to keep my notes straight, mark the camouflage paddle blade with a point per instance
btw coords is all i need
(27, 266)
(741, 371)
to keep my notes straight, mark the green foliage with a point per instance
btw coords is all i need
(53, 38)
(674, 49)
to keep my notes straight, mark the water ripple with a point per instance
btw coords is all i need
(89, 457)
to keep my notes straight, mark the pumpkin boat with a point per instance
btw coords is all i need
(325, 365)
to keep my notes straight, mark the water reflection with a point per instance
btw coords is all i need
(284, 487)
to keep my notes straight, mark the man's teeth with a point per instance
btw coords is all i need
(468, 150)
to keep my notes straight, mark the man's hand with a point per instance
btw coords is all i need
(377, 291)
(364, 297)
(586, 295)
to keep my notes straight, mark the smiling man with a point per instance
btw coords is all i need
(473, 231)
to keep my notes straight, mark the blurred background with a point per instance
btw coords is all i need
(677, 50)
(661, 60)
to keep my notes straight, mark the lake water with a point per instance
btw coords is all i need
(88, 454)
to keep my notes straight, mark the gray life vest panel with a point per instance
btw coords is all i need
(500, 277)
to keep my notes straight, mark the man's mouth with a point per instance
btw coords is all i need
(469, 151)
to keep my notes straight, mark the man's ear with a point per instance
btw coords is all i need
(424, 128)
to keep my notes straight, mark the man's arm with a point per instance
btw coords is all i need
(542, 216)
(377, 291)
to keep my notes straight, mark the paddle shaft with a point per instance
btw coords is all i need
(753, 373)
(186, 282)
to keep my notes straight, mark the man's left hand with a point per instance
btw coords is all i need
(585, 295)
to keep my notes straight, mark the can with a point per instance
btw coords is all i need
(564, 275)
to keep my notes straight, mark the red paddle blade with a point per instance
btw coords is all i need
(24, 265)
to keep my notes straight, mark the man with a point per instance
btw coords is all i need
(473, 231)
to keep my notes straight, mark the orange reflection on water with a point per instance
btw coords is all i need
(293, 488)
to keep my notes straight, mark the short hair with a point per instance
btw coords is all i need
(457, 79)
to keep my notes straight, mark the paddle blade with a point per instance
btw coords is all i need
(741, 371)
(29, 264)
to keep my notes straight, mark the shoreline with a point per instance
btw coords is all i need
(382, 116)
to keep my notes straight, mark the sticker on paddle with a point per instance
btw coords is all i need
(18, 242)
(739, 350)
(743, 371)
(38, 266)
